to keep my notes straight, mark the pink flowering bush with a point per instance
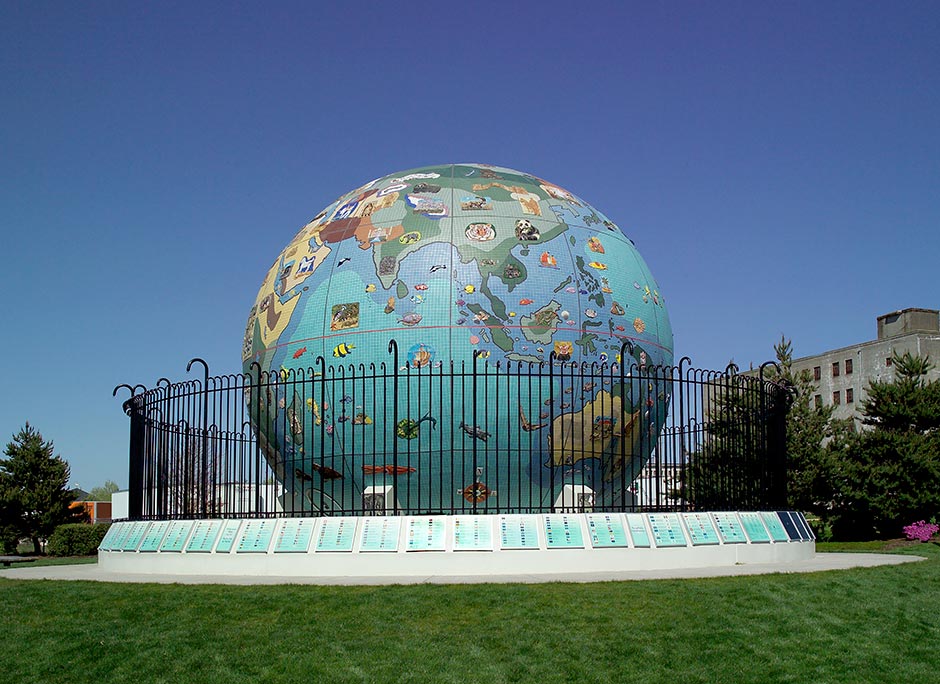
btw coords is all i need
(921, 530)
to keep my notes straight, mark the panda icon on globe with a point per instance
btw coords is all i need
(468, 335)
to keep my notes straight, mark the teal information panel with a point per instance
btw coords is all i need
(701, 530)
(154, 536)
(256, 537)
(380, 534)
(774, 526)
(227, 536)
(606, 530)
(563, 531)
(729, 528)
(294, 535)
(641, 538)
(473, 533)
(134, 535)
(111, 536)
(124, 529)
(754, 528)
(336, 534)
(176, 535)
(205, 532)
(667, 530)
(518, 532)
(426, 534)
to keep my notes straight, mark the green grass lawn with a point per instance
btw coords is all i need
(52, 560)
(865, 625)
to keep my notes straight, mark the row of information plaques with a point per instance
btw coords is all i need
(470, 533)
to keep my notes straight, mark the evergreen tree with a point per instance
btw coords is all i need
(908, 403)
(33, 487)
(9, 519)
(808, 428)
(889, 476)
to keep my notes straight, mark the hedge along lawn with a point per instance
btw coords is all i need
(864, 625)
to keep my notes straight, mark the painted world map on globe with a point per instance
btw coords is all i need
(447, 261)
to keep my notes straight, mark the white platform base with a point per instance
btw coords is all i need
(456, 546)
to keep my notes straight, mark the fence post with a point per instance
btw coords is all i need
(135, 461)
(476, 353)
(203, 485)
(393, 350)
(775, 436)
(551, 427)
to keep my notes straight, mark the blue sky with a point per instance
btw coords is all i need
(777, 165)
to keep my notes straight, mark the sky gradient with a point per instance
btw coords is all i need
(777, 165)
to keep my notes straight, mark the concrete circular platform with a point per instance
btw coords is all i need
(820, 562)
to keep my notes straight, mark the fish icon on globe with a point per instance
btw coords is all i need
(594, 244)
(342, 350)
(386, 469)
(474, 431)
(410, 319)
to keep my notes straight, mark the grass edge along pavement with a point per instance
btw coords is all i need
(863, 625)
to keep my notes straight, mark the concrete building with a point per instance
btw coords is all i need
(842, 375)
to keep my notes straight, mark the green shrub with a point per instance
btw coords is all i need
(882, 481)
(76, 539)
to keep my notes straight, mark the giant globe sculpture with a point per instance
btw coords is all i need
(462, 265)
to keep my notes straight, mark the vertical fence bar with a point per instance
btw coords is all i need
(135, 495)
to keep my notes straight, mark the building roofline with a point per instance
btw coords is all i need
(908, 310)
(853, 347)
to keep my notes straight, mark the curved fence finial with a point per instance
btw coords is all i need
(205, 368)
(768, 363)
(129, 389)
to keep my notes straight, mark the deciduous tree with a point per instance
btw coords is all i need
(102, 493)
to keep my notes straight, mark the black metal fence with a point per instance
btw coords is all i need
(467, 437)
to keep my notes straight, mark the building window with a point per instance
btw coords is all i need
(835, 399)
(849, 395)
(835, 369)
(817, 373)
(817, 400)
(848, 366)
(888, 361)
